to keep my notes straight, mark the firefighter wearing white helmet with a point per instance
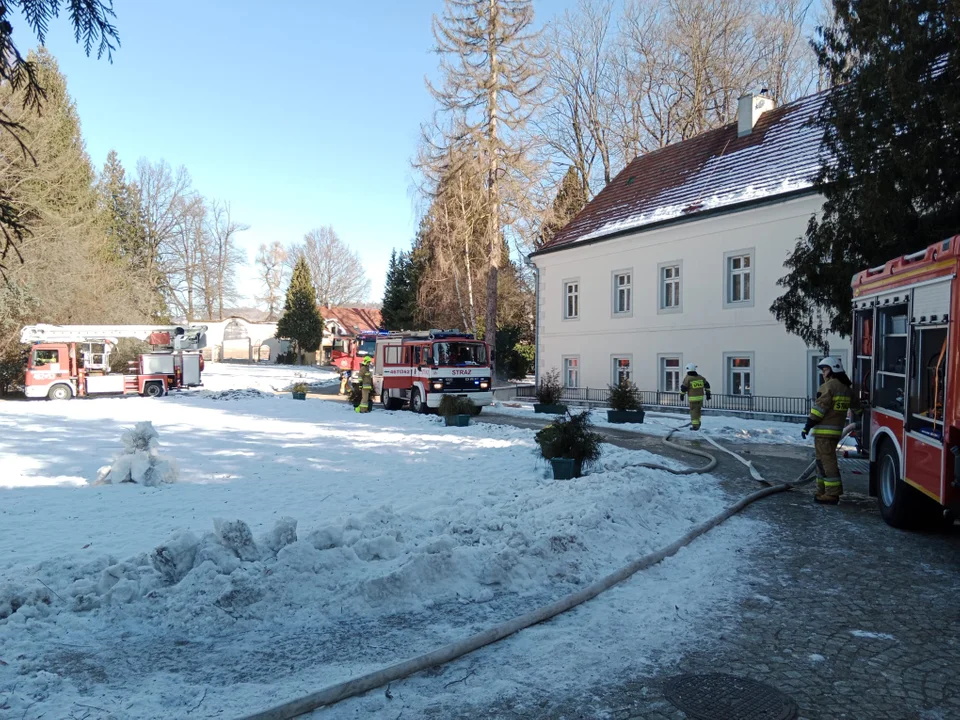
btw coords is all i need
(697, 389)
(826, 421)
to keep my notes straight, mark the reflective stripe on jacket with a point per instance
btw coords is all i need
(366, 378)
(829, 412)
(694, 386)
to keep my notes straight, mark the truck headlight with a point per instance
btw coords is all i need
(484, 384)
(438, 386)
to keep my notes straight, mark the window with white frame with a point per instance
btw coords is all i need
(740, 375)
(622, 292)
(571, 372)
(669, 287)
(571, 300)
(622, 368)
(670, 374)
(739, 278)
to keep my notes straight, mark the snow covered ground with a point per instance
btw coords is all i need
(305, 544)
(218, 377)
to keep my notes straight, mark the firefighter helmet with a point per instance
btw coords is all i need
(366, 360)
(832, 362)
(691, 367)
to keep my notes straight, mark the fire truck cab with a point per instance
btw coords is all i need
(419, 368)
(906, 370)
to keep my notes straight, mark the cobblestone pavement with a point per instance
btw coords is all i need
(849, 617)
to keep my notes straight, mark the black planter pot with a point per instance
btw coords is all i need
(456, 420)
(564, 468)
(549, 409)
(625, 416)
(299, 396)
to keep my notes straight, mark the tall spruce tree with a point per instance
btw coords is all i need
(121, 203)
(569, 201)
(301, 322)
(891, 173)
(399, 310)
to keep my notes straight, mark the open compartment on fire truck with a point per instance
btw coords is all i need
(906, 366)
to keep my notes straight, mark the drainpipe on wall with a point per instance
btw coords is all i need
(536, 319)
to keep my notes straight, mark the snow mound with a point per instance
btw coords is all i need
(237, 394)
(141, 461)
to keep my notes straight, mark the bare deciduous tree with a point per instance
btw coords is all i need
(164, 194)
(272, 271)
(337, 271)
(225, 257)
(489, 78)
(579, 83)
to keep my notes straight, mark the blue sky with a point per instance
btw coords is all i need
(300, 113)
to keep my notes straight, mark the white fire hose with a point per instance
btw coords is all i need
(378, 678)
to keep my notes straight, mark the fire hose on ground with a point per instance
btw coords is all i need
(356, 686)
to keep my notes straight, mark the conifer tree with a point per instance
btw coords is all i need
(891, 170)
(121, 202)
(400, 294)
(301, 322)
(569, 201)
(92, 26)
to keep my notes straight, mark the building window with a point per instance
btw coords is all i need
(670, 373)
(571, 300)
(571, 372)
(739, 278)
(740, 374)
(670, 286)
(622, 368)
(622, 292)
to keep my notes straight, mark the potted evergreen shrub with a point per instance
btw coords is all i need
(549, 394)
(624, 401)
(299, 391)
(456, 411)
(568, 443)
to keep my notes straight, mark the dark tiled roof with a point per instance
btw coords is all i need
(713, 170)
(353, 319)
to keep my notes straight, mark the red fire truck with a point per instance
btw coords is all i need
(69, 361)
(907, 370)
(419, 368)
(348, 357)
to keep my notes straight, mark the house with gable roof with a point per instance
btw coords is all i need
(677, 260)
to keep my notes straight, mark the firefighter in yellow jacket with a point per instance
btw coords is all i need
(826, 422)
(366, 386)
(697, 389)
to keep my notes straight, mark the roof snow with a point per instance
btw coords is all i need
(714, 170)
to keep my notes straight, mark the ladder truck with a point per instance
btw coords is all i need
(67, 361)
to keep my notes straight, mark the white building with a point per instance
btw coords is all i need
(236, 338)
(677, 260)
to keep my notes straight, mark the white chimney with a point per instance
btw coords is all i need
(749, 109)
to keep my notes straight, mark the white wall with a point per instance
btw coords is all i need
(704, 330)
(257, 333)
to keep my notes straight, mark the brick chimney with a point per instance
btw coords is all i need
(749, 109)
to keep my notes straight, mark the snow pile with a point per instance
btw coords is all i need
(237, 394)
(141, 461)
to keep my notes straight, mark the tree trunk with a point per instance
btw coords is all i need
(493, 224)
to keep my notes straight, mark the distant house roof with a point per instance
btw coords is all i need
(353, 320)
(714, 170)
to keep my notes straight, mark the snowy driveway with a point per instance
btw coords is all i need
(409, 535)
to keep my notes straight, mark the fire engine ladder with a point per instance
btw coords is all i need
(192, 337)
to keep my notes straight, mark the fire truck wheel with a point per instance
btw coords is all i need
(901, 506)
(390, 403)
(416, 402)
(153, 390)
(60, 392)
